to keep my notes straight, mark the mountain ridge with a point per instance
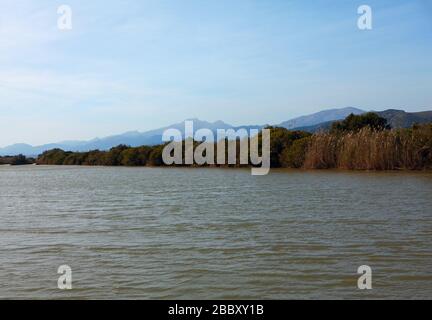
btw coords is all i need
(131, 138)
(319, 117)
(395, 118)
(311, 123)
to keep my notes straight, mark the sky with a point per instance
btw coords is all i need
(143, 64)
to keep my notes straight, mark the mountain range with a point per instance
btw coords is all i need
(131, 138)
(312, 123)
(320, 117)
(395, 118)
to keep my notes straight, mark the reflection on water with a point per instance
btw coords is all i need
(213, 233)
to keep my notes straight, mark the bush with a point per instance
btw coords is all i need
(294, 156)
(358, 122)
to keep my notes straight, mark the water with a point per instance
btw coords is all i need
(154, 233)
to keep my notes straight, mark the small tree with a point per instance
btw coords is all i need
(19, 160)
(294, 156)
(356, 122)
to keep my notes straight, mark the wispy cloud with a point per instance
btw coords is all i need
(140, 64)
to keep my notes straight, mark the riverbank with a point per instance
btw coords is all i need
(16, 160)
(365, 149)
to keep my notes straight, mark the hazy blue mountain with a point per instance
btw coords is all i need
(132, 138)
(320, 117)
(312, 123)
(324, 126)
(395, 118)
(402, 119)
(19, 148)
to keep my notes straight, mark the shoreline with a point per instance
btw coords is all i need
(278, 169)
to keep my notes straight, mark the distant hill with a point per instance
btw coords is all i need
(324, 126)
(133, 139)
(320, 117)
(312, 123)
(402, 119)
(396, 119)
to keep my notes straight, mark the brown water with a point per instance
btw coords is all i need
(212, 233)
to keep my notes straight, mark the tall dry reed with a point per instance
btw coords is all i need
(368, 149)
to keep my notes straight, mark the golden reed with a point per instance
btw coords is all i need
(369, 149)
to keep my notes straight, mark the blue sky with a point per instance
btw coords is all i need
(143, 64)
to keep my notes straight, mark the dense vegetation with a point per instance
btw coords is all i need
(16, 160)
(121, 155)
(369, 149)
(363, 142)
(354, 123)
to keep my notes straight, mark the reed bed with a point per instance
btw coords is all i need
(369, 149)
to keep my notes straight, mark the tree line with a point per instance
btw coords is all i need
(363, 142)
(16, 160)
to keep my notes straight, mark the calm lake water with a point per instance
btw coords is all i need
(144, 233)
